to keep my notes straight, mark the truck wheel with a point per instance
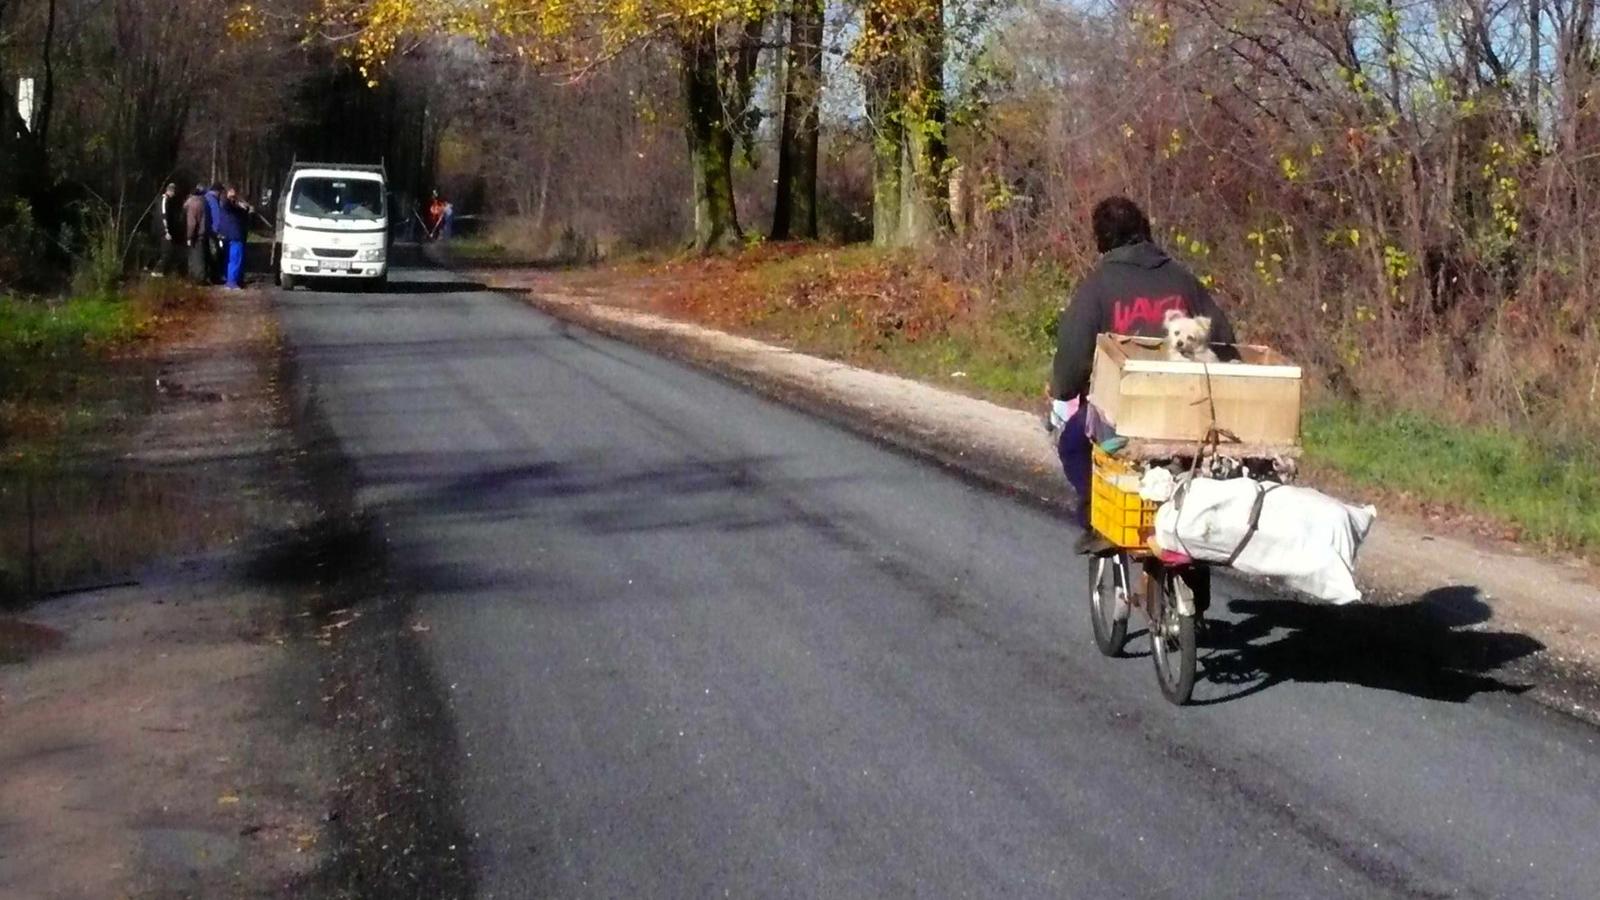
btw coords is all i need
(286, 281)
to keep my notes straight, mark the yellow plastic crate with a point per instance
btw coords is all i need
(1116, 511)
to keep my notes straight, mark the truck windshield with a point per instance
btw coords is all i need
(342, 198)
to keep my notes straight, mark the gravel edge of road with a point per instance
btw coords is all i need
(1566, 677)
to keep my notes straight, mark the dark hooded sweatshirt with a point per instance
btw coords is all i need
(1129, 292)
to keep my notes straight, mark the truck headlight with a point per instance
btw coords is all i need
(293, 252)
(372, 255)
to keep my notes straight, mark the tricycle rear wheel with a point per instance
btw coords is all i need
(1172, 634)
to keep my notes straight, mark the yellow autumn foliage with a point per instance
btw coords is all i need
(578, 31)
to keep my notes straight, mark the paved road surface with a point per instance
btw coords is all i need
(696, 643)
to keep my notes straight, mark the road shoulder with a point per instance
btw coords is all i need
(158, 740)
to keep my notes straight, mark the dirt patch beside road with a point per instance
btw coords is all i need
(159, 737)
(153, 753)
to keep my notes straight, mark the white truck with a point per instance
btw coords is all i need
(333, 222)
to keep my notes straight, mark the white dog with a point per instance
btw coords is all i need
(1188, 339)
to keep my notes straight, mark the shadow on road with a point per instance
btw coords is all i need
(593, 499)
(395, 289)
(395, 750)
(395, 286)
(1424, 648)
(441, 287)
(492, 265)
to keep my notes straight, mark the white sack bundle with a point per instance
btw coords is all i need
(1303, 537)
(1157, 485)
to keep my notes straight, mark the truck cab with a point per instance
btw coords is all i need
(333, 222)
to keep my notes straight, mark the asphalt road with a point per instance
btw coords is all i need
(697, 643)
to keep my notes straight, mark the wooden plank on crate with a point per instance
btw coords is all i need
(1221, 369)
(1147, 396)
(1109, 359)
(1145, 449)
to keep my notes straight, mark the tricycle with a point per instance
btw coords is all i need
(1168, 587)
(1212, 420)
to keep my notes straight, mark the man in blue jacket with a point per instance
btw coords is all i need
(214, 243)
(235, 228)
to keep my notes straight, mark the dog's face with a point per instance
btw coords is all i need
(1185, 335)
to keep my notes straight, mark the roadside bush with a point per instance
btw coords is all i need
(22, 247)
(1424, 246)
(101, 258)
(523, 239)
(844, 190)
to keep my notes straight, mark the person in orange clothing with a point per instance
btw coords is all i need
(433, 218)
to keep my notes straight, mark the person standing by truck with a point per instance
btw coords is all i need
(214, 244)
(235, 229)
(169, 231)
(435, 216)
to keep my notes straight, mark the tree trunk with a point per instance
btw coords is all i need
(45, 103)
(924, 178)
(24, 150)
(881, 82)
(716, 222)
(795, 211)
(543, 202)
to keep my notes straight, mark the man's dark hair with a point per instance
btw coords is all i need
(216, 186)
(1118, 222)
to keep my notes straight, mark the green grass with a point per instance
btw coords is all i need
(63, 391)
(35, 327)
(995, 364)
(57, 367)
(991, 365)
(783, 273)
(1547, 491)
(466, 250)
(1551, 492)
(50, 348)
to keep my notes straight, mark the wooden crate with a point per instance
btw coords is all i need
(1144, 395)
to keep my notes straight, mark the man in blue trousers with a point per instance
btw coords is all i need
(235, 228)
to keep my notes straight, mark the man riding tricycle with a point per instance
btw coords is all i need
(1180, 443)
